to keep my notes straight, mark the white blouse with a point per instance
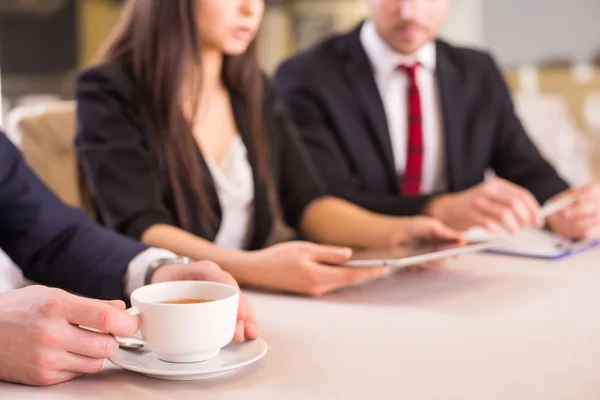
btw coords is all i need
(234, 184)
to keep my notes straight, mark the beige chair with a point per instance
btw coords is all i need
(552, 128)
(45, 134)
(591, 117)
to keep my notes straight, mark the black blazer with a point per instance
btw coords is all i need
(53, 244)
(131, 190)
(331, 94)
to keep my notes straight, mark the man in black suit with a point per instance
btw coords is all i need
(401, 123)
(40, 342)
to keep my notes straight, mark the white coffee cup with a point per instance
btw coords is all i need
(185, 333)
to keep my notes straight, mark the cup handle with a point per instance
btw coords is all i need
(131, 340)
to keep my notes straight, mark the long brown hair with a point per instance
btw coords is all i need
(159, 41)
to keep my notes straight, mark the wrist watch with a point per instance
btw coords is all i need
(154, 265)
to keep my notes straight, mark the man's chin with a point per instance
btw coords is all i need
(409, 48)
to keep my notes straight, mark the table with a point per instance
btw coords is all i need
(483, 327)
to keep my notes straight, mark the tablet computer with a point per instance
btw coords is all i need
(404, 256)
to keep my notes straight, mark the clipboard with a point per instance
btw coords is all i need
(533, 243)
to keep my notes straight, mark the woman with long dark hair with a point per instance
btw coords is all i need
(185, 147)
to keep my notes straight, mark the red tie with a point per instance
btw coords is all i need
(411, 181)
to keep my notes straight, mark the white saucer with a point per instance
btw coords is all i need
(230, 358)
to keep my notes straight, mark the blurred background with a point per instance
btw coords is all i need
(549, 49)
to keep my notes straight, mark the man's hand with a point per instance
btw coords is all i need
(41, 343)
(209, 271)
(495, 205)
(582, 219)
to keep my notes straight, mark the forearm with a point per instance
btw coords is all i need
(335, 221)
(402, 206)
(186, 244)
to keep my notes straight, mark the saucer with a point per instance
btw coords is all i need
(231, 357)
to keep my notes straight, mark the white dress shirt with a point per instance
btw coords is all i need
(10, 276)
(136, 271)
(393, 89)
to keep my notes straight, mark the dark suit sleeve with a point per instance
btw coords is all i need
(120, 168)
(516, 157)
(54, 244)
(302, 100)
(298, 182)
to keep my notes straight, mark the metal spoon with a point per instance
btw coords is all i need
(129, 345)
(123, 343)
(134, 343)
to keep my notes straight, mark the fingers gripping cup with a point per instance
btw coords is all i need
(185, 322)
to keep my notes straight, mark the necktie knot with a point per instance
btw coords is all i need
(410, 69)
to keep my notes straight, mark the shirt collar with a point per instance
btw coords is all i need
(385, 59)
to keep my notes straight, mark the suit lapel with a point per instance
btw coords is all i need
(211, 192)
(448, 84)
(362, 81)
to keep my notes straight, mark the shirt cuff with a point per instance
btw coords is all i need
(136, 271)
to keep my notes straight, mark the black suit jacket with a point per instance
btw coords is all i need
(131, 191)
(331, 94)
(53, 244)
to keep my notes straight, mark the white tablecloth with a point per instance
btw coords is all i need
(485, 327)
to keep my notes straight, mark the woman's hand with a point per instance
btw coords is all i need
(304, 268)
(414, 229)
